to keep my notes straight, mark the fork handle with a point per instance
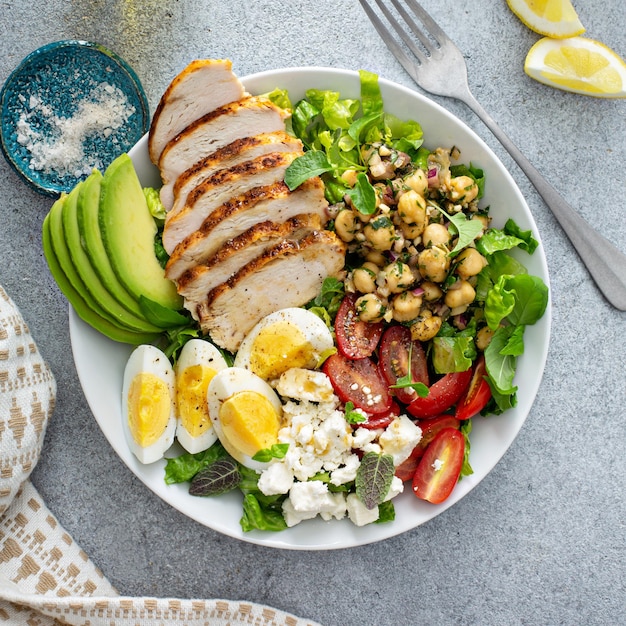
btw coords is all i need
(605, 263)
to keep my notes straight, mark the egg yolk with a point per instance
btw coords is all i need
(149, 407)
(191, 387)
(249, 422)
(278, 348)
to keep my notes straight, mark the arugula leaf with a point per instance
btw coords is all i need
(466, 468)
(453, 354)
(373, 478)
(160, 315)
(363, 195)
(330, 296)
(311, 163)
(183, 468)
(352, 415)
(276, 451)
(386, 512)
(258, 517)
(529, 242)
(466, 230)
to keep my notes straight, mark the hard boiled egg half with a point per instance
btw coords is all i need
(291, 337)
(198, 362)
(148, 405)
(246, 414)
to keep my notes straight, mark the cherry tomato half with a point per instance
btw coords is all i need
(355, 339)
(430, 428)
(478, 393)
(395, 346)
(440, 467)
(360, 382)
(441, 395)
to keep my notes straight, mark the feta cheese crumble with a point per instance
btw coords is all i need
(322, 441)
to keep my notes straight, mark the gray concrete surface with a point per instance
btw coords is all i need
(542, 539)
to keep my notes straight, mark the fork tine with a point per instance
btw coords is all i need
(432, 26)
(390, 42)
(403, 34)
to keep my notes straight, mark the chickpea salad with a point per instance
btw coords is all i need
(426, 325)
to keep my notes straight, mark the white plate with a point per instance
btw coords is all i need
(100, 362)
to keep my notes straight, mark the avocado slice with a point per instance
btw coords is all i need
(87, 314)
(128, 231)
(105, 298)
(87, 209)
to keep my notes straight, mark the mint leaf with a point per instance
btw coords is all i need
(219, 477)
(373, 478)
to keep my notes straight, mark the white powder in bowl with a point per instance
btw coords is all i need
(59, 147)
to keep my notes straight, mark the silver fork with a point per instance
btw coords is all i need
(438, 67)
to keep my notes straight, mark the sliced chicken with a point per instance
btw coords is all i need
(196, 282)
(188, 98)
(288, 274)
(243, 118)
(274, 202)
(221, 187)
(174, 194)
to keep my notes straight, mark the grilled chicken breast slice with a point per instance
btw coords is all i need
(272, 202)
(288, 274)
(174, 194)
(221, 187)
(203, 86)
(243, 118)
(198, 281)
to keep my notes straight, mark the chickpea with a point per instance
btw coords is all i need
(412, 208)
(436, 235)
(463, 189)
(470, 263)
(483, 337)
(432, 292)
(380, 233)
(460, 294)
(410, 231)
(370, 308)
(398, 277)
(406, 306)
(375, 258)
(417, 181)
(346, 225)
(425, 327)
(364, 278)
(433, 264)
(349, 177)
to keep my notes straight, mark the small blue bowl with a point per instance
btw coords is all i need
(69, 107)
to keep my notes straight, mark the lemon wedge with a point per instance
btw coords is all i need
(579, 65)
(553, 18)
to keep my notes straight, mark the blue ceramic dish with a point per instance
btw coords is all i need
(69, 107)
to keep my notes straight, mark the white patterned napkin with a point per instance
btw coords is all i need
(45, 578)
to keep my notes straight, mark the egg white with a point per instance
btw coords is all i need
(196, 352)
(312, 327)
(224, 385)
(151, 360)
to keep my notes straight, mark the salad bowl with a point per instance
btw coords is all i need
(490, 438)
